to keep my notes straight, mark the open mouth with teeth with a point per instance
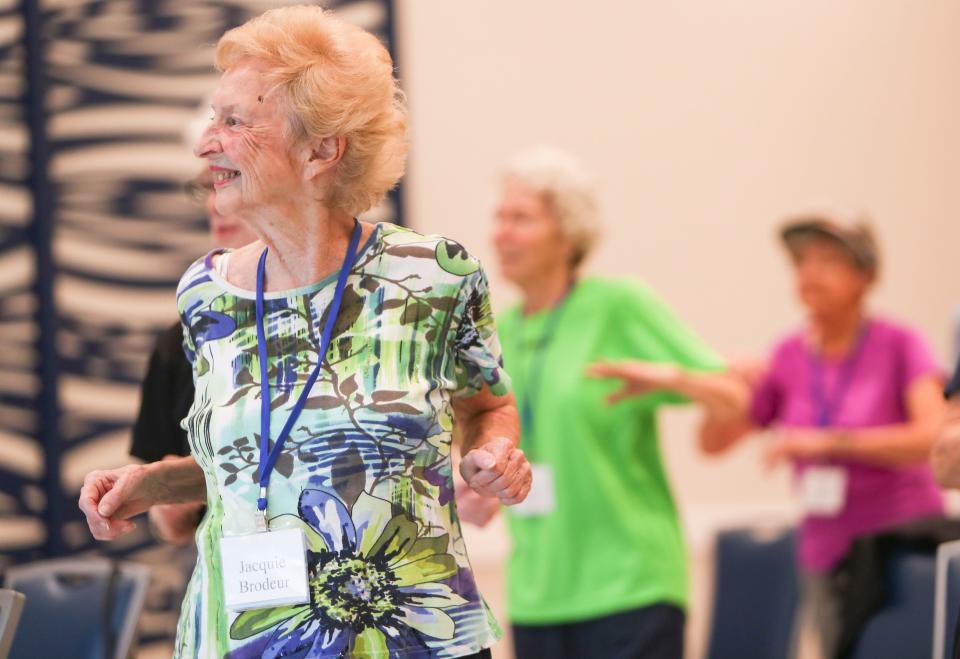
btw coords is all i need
(222, 177)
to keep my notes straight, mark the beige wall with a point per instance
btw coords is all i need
(705, 123)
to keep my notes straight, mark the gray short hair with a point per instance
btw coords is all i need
(566, 188)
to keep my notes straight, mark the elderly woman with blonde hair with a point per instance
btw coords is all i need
(598, 565)
(332, 359)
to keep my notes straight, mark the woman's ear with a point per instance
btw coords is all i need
(322, 155)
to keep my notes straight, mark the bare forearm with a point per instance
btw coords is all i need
(886, 446)
(478, 427)
(725, 400)
(722, 396)
(178, 481)
(719, 434)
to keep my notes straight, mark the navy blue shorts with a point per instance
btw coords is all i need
(651, 632)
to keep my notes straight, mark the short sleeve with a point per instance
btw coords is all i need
(917, 359)
(477, 358)
(188, 301)
(652, 332)
(766, 400)
(768, 393)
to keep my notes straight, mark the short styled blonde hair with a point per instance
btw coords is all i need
(567, 190)
(338, 80)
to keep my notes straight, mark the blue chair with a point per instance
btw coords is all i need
(903, 628)
(947, 603)
(11, 606)
(755, 594)
(85, 608)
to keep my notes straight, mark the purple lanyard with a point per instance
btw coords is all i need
(827, 409)
(268, 457)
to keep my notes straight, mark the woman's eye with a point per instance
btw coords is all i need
(230, 121)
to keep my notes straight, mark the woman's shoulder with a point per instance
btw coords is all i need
(616, 293)
(434, 251)
(895, 337)
(892, 329)
(791, 343)
(196, 279)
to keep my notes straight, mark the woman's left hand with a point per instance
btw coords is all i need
(473, 508)
(497, 469)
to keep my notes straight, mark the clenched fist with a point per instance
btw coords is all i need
(497, 469)
(110, 497)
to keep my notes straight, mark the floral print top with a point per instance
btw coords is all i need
(366, 471)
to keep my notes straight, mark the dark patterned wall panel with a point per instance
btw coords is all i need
(22, 499)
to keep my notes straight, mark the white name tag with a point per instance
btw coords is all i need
(823, 490)
(541, 500)
(264, 569)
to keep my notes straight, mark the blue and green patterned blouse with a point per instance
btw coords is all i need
(366, 471)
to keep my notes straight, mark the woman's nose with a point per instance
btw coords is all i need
(207, 143)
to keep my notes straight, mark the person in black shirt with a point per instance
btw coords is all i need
(167, 389)
(166, 396)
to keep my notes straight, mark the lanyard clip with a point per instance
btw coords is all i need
(260, 517)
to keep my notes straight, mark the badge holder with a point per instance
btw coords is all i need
(823, 490)
(264, 569)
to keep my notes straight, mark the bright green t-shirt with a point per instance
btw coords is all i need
(613, 541)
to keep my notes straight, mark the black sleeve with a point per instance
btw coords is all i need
(166, 396)
(953, 386)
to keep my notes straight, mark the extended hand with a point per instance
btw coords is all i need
(497, 469)
(638, 377)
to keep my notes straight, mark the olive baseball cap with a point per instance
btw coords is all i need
(855, 236)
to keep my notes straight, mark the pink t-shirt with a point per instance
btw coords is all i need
(891, 357)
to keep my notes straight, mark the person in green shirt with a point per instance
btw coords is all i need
(598, 567)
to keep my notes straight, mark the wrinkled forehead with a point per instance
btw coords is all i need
(247, 86)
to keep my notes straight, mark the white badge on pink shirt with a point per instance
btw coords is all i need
(823, 490)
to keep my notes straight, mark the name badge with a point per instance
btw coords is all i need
(541, 500)
(264, 569)
(823, 490)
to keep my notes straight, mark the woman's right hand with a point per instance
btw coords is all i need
(109, 498)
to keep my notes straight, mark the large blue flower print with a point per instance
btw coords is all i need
(375, 585)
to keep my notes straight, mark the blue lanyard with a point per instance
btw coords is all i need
(268, 458)
(826, 410)
(535, 369)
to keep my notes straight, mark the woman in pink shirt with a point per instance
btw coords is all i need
(855, 400)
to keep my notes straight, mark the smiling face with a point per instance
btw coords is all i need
(527, 236)
(224, 231)
(254, 160)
